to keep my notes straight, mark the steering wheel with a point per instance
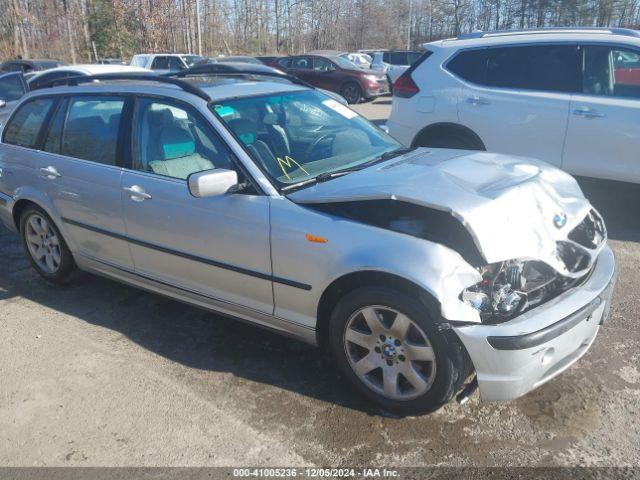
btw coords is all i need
(316, 142)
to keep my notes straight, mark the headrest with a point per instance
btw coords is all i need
(176, 142)
(244, 129)
(160, 117)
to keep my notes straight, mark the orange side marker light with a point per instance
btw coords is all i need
(316, 239)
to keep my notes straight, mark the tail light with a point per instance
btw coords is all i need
(404, 86)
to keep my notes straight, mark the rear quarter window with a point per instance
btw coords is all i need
(533, 67)
(25, 125)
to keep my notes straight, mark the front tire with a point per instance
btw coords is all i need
(390, 348)
(352, 93)
(47, 251)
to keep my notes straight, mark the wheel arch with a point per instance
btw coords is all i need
(444, 127)
(21, 205)
(366, 278)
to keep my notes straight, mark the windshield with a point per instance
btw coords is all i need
(344, 63)
(298, 136)
(190, 60)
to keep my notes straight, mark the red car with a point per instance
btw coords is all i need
(336, 74)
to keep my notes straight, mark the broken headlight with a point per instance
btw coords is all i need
(509, 288)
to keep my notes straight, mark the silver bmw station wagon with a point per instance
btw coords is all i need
(426, 273)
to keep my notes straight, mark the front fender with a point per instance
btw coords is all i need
(356, 247)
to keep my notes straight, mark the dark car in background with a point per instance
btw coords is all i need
(336, 74)
(269, 60)
(26, 66)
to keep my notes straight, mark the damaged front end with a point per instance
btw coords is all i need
(510, 288)
(507, 288)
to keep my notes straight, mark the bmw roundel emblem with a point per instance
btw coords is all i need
(560, 219)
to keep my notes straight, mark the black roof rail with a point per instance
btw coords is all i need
(549, 30)
(231, 69)
(146, 77)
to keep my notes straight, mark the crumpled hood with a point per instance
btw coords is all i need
(507, 203)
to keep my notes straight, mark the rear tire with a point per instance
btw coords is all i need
(449, 138)
(406, 374)
(45, 247)
(352, 93)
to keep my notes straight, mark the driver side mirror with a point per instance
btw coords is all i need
(2, 103)
(212, 183)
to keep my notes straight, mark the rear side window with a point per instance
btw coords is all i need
(544, 67)
(285, 62)
(412, 57)
(398, 58)
(25, 124)
(91, 127)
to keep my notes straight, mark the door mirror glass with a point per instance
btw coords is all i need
(212, 183)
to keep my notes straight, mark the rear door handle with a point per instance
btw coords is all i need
(50, 172)
(587, 113)
(137, 193)
(475, 100)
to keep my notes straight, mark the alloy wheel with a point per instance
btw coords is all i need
(389, 352)
(351, 93)
(43, 244)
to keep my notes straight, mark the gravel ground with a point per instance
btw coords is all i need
(98, 373)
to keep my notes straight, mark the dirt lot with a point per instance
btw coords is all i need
(98, 373)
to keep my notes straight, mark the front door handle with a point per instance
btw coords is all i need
(587, 113)
(137, 193)
(475, 100)
(50, 172)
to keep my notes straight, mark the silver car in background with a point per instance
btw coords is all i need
(423, 272)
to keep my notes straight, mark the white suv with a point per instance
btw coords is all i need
(570, 97)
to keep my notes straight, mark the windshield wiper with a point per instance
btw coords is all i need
(387, 156)
(323, 177)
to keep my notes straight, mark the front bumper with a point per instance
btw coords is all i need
(376, 91)
(517, 356)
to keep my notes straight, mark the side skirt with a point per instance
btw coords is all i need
(237, 312)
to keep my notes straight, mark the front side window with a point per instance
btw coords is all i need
(191, 60)
(160, 63)
(91, 127)
(540, 67)
(610, 71)
(303, 63)
(297, 136)
(174, 142)
(25, 125)
(175, 64)
(11, 87)
(323, 65)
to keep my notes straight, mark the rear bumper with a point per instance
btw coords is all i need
(518, 356)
